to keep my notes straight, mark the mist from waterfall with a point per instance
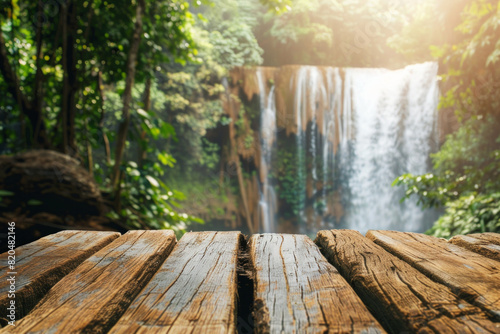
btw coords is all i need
(356, 131)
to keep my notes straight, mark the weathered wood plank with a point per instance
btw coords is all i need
(298, 291)
(489, 237)
(41, 264)
(400, 296)
(471, 276)
(92, 297)
(195, 290)
(475, 243)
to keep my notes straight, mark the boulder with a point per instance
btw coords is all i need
(45, 192)
(48, 181)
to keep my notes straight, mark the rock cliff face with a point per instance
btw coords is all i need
(319, 147)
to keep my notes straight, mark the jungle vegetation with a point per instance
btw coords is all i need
(132, 89)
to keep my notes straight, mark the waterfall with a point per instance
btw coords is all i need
(311, 92)
(390, 126)
(356, 130)
(268, 129)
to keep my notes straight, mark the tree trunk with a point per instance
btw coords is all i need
(70, 82)
(147, 107)
(38, 89)
(105, 139)
(127, 95)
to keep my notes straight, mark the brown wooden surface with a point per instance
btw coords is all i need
(490, 237)
(195, 290)
(401, 297)
(481, 244)
(298, 291)
(41, 264)
(473, 277)
(92, 297)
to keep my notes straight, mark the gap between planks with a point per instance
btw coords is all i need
(194, 291)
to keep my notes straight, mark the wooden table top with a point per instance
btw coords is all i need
(224, 282)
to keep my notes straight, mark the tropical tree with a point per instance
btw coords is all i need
(59, 61)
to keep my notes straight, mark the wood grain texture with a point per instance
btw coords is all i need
(490, 237)
(195, 290)
(92, 297)
(480, 244)
(401, 297)
(298, 291)
(41, 264)
(471, 276)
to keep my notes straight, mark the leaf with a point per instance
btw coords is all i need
(155, 132)
(34, 202)
(143, 113)
(166, 159)
(494, 56)
(168, 130)
(134, 172)
(202, 18)
(436, 51)
(153, 181)
(6, 193)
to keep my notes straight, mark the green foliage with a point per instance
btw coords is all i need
(291, 179)
(230, 25)
(97, 40)
(148, 201)
(191, 103)
(211, 197)
(472, 77)
(6, 193)
(186, 50)
(468, 163)
(235, 45)
(331, 32)
(277, 6)
(425, 29)
(249, 138)
(210, 154)
(469, 214)
(467, 168)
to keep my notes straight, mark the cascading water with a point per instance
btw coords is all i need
(268, 130)
(355, 131)
(391, 130)
(310, 95)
